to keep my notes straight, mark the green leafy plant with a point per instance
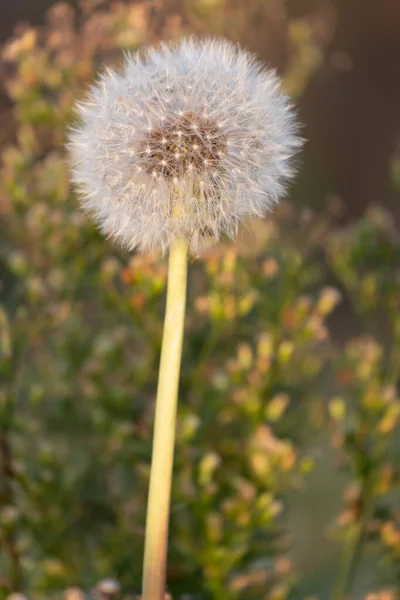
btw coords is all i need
(265, 389)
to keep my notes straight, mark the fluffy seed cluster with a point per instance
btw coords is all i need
(188, 141)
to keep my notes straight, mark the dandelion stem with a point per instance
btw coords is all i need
(156, 538)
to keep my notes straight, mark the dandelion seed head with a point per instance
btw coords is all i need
(187, 141)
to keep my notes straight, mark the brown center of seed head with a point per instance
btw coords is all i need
(187, 143)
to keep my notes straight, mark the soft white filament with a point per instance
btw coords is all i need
(207, 105)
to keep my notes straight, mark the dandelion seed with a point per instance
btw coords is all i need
(195, 115)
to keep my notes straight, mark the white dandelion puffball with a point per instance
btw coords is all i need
(187, 142)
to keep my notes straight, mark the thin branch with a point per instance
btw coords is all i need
(7, 499)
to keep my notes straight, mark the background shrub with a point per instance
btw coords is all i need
(286, 474)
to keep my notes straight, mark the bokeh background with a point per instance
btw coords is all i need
(286, 482)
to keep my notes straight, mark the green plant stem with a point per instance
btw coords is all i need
(8, 538)
(156, 537)
(353, 544)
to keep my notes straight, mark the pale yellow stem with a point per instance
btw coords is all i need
(156, 538)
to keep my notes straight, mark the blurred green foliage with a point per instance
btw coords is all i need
(264, 384)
